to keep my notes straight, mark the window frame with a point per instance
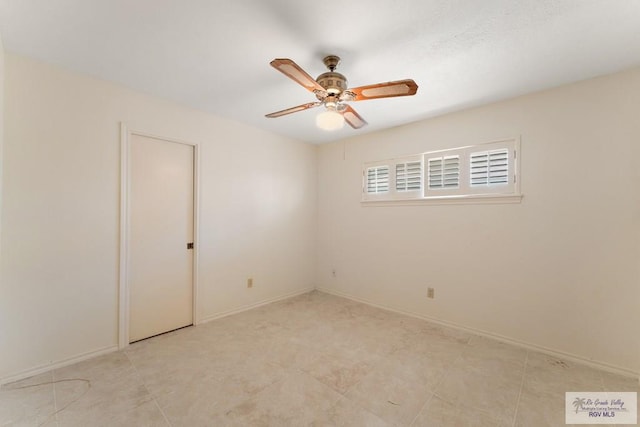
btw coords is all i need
(465, 192)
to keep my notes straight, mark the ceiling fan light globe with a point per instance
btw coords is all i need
(330, 120)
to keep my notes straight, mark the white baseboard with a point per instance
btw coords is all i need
(59, 364)
(253, 305)
(552, 352)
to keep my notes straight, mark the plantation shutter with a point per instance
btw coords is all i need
(489, 167)
(409, 176)
(443, 172)
(378, 179)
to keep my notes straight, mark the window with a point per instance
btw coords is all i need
(485, 171)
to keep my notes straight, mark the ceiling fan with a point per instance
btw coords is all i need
(331, 90)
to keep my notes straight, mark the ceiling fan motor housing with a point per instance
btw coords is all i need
(334, 83)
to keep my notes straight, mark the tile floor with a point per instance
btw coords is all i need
(312, 360)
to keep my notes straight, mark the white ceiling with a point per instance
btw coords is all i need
(214, 55)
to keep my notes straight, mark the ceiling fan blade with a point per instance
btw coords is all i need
(354, 119)
(293, 109)
(385, 90)
(297, 74)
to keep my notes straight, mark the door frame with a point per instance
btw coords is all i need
(125, 224)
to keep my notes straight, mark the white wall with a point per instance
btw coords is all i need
(59, 293)
(3, 326)
(1, 135)
(559, 270)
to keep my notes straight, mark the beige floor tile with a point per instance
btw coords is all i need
(96, 391)
(347, 414)
(484, 382)
(538, 409)
(175, 376)
(203, 393)
(297, 400)
(354, 351)
(394, 399)
(549, 376)
(146, 414)
(100, 401)
(436, 343)
(163, 374)
(371, 337)
(198, 403)
(253, 376)
(28, 402)
(338, 372)
(289, 353)
(427, 370)
(439, 413)
(317, 336)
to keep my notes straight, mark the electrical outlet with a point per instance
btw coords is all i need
(431, 293)
(250, 282)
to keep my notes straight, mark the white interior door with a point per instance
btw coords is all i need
(161, 226)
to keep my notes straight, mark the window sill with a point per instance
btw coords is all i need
(449, 200)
